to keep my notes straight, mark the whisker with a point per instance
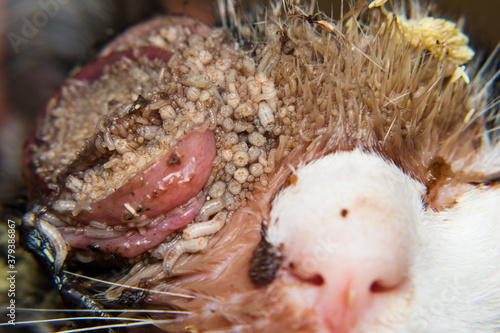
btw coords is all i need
(131, 287)
(389, 131)
(489, 83)
(494, 129)
(143, 323)
(393, 101)
(372, 60)
(492, 105)
(491, 59)
(106, 310)
(55, 320)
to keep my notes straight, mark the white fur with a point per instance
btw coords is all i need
(313, 206)
(457, 268)
(452, 257)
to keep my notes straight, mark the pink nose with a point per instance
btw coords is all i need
(355, 273)
(348, 241)
(349, 291)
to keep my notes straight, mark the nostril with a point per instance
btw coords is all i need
(379, 286)
(317, 280)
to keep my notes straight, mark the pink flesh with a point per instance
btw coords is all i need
(171, 181)
(168, 183)
(137, 244)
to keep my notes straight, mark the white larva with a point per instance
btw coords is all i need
(102, 234)
(223, 65)
(234, 187)
(233, 100)
(167, 112)
(205, 228)
(199, 81)
(254, 88)
(98, 224)
(241, 175)
(227, 155)
(205, 57)
(129, 157)
(253, 152)
(217, 189)
(193, 93)
(256, 139)
(241, 158)
(122, 146)
(64, 205)
(245, 110)
(210, 208)
(265, 114)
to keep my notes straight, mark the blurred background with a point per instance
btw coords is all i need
(43, 40)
